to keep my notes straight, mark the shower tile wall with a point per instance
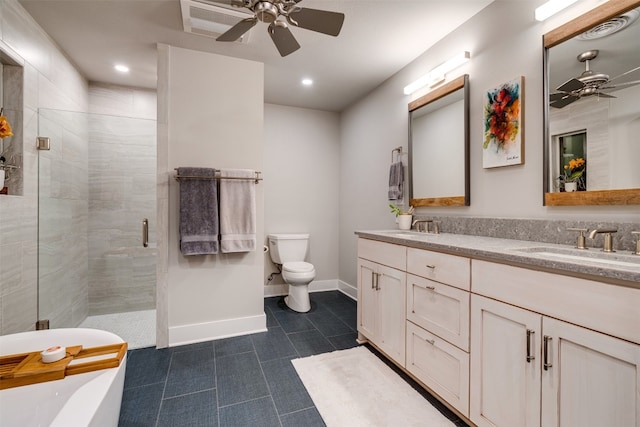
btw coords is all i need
(122, 192)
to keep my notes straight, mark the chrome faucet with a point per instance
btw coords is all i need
(608, 239)
(636, 233)
(425, 222)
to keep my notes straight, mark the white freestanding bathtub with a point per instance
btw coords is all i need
(90, 399)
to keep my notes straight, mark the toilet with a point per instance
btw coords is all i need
(289, 251)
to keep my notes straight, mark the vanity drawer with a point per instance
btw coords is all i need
(440, 309)
(383, 253)
(441, 366)
(444, 268)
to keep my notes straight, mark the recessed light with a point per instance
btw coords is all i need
(307, 82)
(121, 68)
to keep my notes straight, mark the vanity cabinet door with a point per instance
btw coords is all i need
(505, 365)
(367, 298)
(392, 310)
(382, 307)
(589, 379)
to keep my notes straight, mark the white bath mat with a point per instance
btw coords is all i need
(355, 388)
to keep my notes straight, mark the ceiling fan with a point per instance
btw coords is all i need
(587, 84)
(280, 14)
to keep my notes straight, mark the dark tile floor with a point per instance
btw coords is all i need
(241, 381)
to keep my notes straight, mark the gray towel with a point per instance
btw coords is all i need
(396, 181)
(198, 212)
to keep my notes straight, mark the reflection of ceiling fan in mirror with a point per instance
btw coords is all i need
(279, 14)
(588, 83)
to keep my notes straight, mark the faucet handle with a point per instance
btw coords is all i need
(637, 233)
(581, 242)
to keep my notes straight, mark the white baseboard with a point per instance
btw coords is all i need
(348, 290)
(315, 286)
(188, 334)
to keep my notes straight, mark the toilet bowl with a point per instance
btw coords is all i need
(298, 275)
(289, 251)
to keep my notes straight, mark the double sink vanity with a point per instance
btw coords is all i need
(506, 332)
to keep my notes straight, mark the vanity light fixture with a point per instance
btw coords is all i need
(552, 7)
(121, 68)
(438, 74)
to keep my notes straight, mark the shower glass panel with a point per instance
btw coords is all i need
(97, 184)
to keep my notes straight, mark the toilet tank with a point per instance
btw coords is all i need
(288, 247)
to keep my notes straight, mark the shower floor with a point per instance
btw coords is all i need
(137, 328)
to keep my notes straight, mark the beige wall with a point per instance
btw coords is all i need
(207, 118)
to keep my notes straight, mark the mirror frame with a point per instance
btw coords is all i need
(563, 33)
(461, 82)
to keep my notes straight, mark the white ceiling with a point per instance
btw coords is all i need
(379, 37)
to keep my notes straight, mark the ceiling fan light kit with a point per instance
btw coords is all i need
(280, 15)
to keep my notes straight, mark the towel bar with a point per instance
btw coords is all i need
(178, 177)
(399, 150)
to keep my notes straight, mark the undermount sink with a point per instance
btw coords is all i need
(408, 234)
(597, 256)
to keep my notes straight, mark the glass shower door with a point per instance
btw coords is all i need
(97, 184)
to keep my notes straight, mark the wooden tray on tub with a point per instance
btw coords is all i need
(28, 368)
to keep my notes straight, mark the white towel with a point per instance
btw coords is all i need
(237, 211)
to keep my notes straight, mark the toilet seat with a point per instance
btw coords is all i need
(297, 267)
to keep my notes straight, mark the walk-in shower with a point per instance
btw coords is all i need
(96, 188)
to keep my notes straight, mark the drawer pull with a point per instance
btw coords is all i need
(546, 343)
(432, 267)
(373, 280)
(431, 288)
(529, 345)
(432, 342)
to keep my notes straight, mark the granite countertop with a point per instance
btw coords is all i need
(621, 268)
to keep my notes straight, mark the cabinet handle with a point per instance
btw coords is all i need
(546, 344)
(378, 281)
(430, 266)
(145, 232)
(432, 342)
(431, 288)
(373, 280)
(529, 345)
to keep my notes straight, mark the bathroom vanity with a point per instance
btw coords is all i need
(506, 332)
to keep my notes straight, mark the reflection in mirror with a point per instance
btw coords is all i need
(439, 146)
(592, 84)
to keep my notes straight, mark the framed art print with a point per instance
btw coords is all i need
(503, 143)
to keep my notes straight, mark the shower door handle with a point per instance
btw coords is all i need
(145, 232)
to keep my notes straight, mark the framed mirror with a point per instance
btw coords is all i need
(439, 146)
(592, 116)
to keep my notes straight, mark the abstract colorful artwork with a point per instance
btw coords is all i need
(503, 125)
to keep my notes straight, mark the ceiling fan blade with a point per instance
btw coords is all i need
(558, 96)
(235, 32)
(635, 82)
(564, 101)
(625, 73)
(321, 21)
(570, 85)
(282, 37)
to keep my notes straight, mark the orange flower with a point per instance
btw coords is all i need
(5, 128)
